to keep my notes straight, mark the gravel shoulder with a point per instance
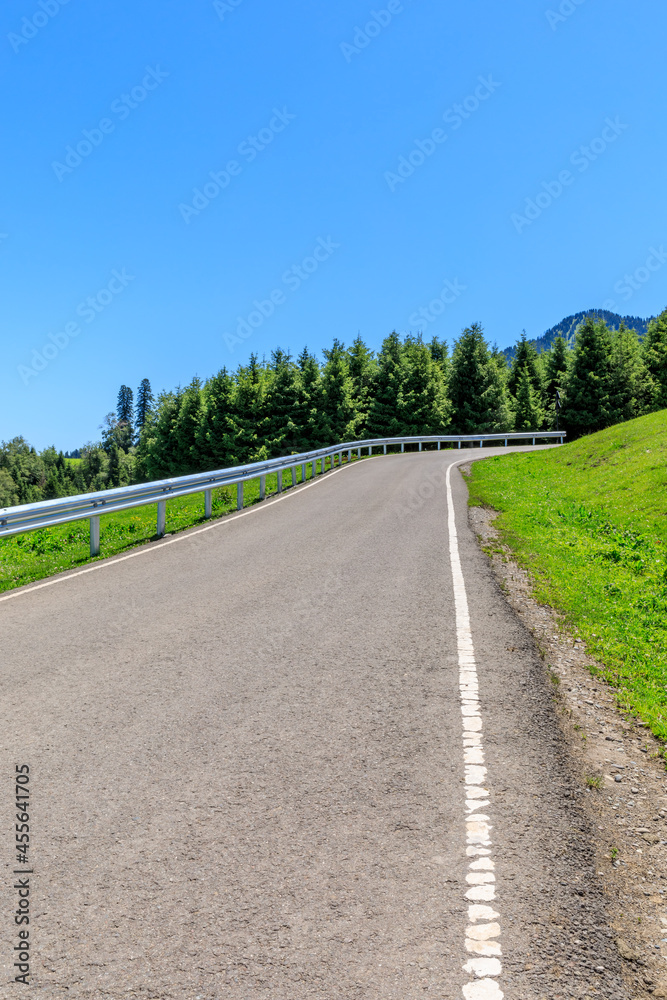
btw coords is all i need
(615, 773)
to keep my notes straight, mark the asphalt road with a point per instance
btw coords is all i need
(247, 765)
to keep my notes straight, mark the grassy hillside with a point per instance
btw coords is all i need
(589, 522)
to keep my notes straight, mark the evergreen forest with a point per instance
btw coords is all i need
(285, 405)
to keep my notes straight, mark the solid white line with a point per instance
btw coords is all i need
(224, 521)
(483, 932)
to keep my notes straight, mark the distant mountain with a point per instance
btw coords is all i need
(568, 327)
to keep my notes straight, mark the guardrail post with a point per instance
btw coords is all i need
(505, 442)
(303, 473)
(349, 454)
(358, 452)
(239, 496)
(370, 449)
(459, 444)
(385, 449)
(161, 518)
(280, 481)
(439, 443)
(340, 457)
(420, 446)
(208, 504)
(402, 447)
(262, 487)
(533, 442)
(481, 441)
(94, 536)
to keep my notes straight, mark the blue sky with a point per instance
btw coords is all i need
(186, 183)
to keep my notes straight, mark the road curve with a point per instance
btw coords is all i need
(251, 776)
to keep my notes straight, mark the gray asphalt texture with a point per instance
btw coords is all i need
(247, 763)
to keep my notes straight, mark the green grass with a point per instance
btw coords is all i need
(589, 523)
(39, 554)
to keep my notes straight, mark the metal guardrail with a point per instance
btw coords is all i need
(48, 513)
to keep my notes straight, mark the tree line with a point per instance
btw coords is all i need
(285, 405)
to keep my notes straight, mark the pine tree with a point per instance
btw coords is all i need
(525, 359)
(285, 406)
(125, 417)
(440, 354)
(383, 420)
(587, 405)
(631, 388)
(216, 432)
(340, 412)
(363, 370)
(144, 403)
(158, 456)
(556, 362)
(249, 411)
(314, 426)
(424, 407)
(655, 358)
(125, 407)
(476, 387)
(528, 410)
(185, 430)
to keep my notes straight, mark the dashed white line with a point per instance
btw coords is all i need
(482, 942)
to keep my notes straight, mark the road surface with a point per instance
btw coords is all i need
(298, 753)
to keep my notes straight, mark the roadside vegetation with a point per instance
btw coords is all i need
(36, 555)
(588, 521)
(287, 405)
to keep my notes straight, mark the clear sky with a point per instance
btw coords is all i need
(185, 183)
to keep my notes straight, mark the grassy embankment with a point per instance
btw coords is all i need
(39, 554)
(589, 523)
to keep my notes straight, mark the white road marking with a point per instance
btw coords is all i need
(483, 932)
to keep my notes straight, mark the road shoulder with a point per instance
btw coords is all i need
(618, 775)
